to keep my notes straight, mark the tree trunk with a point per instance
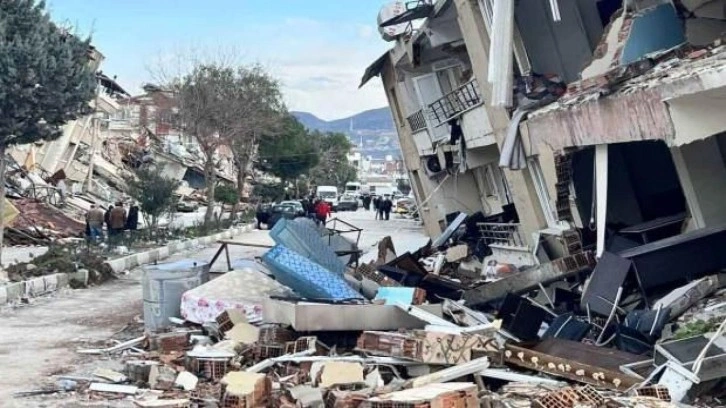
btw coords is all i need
(241, 181)
(210, 178)
(3, 168)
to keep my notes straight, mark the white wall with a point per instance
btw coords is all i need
(702, 172)
(477, 128)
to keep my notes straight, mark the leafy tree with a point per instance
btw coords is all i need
(288, 153)
(256, 106)
(154, 193)
(333, 168)
(45, 78)
(226, 194)
(200, 97)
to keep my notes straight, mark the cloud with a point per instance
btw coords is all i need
(321, 73)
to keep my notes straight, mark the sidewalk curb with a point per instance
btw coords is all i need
(32, 288)
(132, 261)
(43, 285)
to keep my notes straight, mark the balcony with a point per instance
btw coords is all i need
(417, 121)
(455, 103)
(506, 235)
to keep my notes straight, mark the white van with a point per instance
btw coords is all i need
(328, 194)
(353, 188)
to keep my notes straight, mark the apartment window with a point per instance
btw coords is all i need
(540, 185)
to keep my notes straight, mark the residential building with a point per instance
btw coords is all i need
(81, 138)
(603, 117)
(447, 138)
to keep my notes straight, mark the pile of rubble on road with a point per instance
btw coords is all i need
(64, 259)
(401, 332)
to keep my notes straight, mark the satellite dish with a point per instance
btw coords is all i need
(388, 12)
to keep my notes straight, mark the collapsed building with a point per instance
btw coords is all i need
(583, 125)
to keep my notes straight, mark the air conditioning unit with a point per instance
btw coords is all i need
(433, 165)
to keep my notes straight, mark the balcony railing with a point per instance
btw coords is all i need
(501, 234)
(417, 121)
(456, 102)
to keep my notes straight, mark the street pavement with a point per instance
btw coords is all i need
(39, 340)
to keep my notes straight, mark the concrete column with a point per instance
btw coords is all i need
(478, 43)
(702, 172)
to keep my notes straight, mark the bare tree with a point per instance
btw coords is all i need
(254, 107)
(202, 107)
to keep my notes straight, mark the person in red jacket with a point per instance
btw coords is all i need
(322, 210)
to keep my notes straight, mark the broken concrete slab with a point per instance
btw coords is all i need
(457, 253)
(110, 375)
(114, 388)
(681, 299)
(335, 373)
(529, 279)
(163, 403)
(461, 395)
(186, 381)
(312, 317)
(243, 333)
(307, 396)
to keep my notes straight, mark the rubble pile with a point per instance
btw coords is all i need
(38, 223)
(64, 259)
(395, 333)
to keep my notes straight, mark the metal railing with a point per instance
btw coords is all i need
(417, 121)
(501, 234)
(456, 102)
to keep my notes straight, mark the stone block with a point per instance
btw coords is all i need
(15, 291)
(81, 276)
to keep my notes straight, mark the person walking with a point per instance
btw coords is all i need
(118, 221)
(107, 219)
(377, 206)
(367, 202)
(132, 221)
(94, 221)
(387, 206)
(322, 211)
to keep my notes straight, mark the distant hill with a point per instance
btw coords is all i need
(373, 128)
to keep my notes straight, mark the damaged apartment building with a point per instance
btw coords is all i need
(69, 156)
(571, 125)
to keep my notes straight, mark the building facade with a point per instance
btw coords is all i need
(597, 121)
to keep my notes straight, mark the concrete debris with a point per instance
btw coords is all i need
(338, 373)
(186, 381)
(542, 336)
(113, 388)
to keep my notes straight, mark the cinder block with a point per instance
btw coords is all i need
(3, 295)
(63, 280)
(51, 283)
(35, 287)
(15, 291)
(80, 276)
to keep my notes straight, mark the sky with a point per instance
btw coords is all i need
(318, 49)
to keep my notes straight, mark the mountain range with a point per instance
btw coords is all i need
(373, 129)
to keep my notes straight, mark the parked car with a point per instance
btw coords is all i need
(404, 206)
(280, 211)
(185, 205)
(299, 210)
(347, 202)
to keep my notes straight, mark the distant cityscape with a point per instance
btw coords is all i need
(372, 131)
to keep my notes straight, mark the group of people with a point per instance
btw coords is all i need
(317, 209)
(383, 207)
(116, 219)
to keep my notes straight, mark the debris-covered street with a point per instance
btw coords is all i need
(339, 204)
